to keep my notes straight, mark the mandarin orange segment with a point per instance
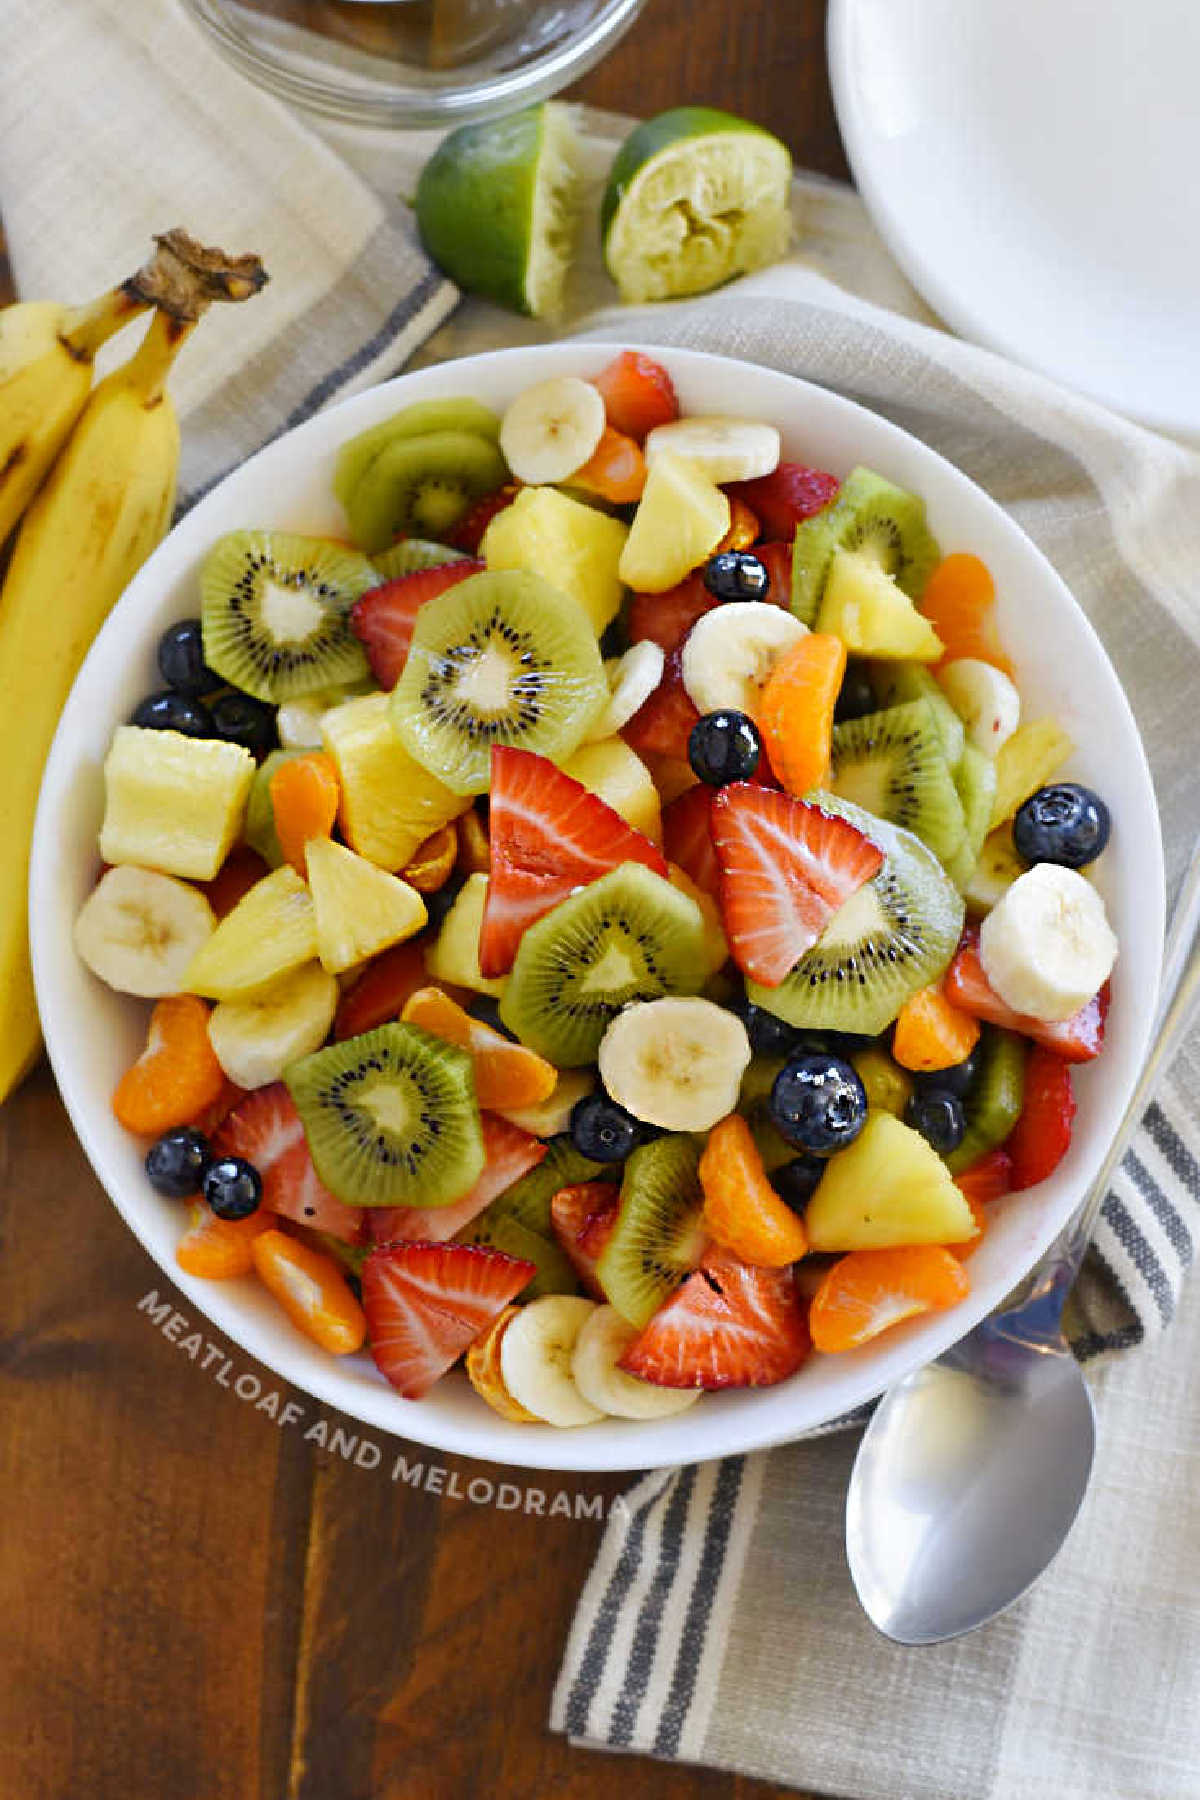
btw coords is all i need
(931, 1033)
(869, 1291)
(795, 711)
(431, 867)
(744, 528)
(960, 603)
(742, 1211)
(177, 1076)
(474, 851)
(507, 1075)
(304, 798)
(312, 1291)
(615, 471)
(483, 1371)
(217, 1249)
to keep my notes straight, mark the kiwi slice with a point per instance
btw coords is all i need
(274, 609)
(528, 1200)
(500, 1231)
(975, 781)
(754, 1106)
(891, 764)
(994, 1099)
(870, 515)
(390, 1117)
(420, 486)
(258, 828)
(411, 554)
(896, 682)
(657, 1238)
(895, 935)
(628, 936)
(503, 658)
(358, 453)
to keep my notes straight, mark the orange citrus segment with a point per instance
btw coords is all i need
(869, 1291)
(177, 1076)
(930, 1033)
(304, 798)
(742, 1211)
(960, 601)
(217, 1249)
(312, 1291)
(507, 1075)
(795, 711)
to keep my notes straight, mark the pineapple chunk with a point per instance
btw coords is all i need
(864, 607)
(172, 802)
(390, 803)
(994, 873)
(572, 546)
(271, 930)
(454, 957)
(889, 1187)
(681, 518)
(1025, 762)
(716, 944)
(361, 909)
(620, 777)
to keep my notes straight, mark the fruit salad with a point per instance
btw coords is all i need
(609, 922)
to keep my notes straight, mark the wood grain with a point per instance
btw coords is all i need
(201, 1603)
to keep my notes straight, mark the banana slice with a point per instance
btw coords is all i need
(985, 700)
(726, 449)
(535, 1359)
(675, 1063)
(1047, 946)
(138, 930)
(483, 1370)
(632, 679)
(549, 1118)
(730, 651)
(602, 1341)
(551, 429)
(298, 723)
(255, 1040)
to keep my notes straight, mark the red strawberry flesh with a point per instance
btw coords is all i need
(786, 868)
(663, 723)
(265, 1129)
(583, 1217)
(988, 1179)
(1077, 1039)
(468, 533)
(1042, 1135)
(687, 837)
(383, 619)
(789, 494)
(508, 1153)
(667, 618)
(425, 1304)
(638, 394)
(728, 1324)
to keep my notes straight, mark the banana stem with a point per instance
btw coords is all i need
(147, 370)
(85, 328)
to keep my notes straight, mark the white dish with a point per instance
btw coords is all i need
(1031, 170)
(92, 1033)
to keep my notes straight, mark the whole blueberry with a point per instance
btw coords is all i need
(232, 1188)
(176, 1164)
(724, 746)
(796, 1181)
(181, 659)
(769, 1035)
(736, 575)
(603, 1131)
(955, 1080)
(818, 1103)
(939, 1117)
(1065, 823)
(240, 719)
(169, 711)
(856, 696)
(487, 1010)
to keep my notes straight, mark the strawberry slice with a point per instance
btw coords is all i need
(583, 1217)
(1077, 1039)
(988, 1179)
(379, 994)
(667, 618)
(786, 868)
(1041, 1136)
(383, 618)
(777, 560)
(265, 1128)
(790, 493)
(663, 723)
(508, 1153)
(728, 1324)
(687, 837)
(548, 835)
(468, 533)
(638, 394)
(426, 1303)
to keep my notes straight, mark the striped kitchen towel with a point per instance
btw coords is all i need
(718, 1624)
(118, 119)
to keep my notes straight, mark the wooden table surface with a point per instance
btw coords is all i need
(201, 1604)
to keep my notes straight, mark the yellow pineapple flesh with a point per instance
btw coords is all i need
(889, 1187)
(270, 931)
(574, 547)
(863, 606)
(681, 518)
(173, 803)
(390, 804)
(618, 775)
(454, 954)
(360, 908)
(1025, 762)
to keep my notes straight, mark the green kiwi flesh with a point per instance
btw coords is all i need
(629, 936)
(891, 764)
(390, 1117)
(896, 682)
(258, 826)
(867, 514)
(422, 486)
(657, 1238)
(975, 780)
(895, 935)
(411, 554)
(500, 1231)
(994, 1100)
(274, 611)
(503, 658)
(358, 453)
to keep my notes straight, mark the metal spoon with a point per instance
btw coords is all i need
(972, 1469)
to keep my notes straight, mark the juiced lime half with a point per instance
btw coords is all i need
(694, 197)
(497, 206)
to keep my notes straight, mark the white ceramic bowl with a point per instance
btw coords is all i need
(92, 1033)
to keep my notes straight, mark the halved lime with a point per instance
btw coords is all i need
(694, 197)
(497, 205)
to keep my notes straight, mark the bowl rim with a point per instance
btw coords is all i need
(219, 1303)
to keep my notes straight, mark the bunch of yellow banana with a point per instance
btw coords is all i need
(94, 475)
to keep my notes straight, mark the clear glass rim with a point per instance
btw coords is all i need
(414, 107)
